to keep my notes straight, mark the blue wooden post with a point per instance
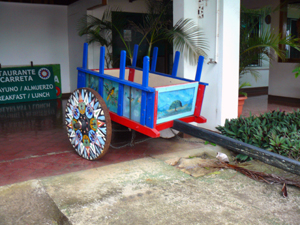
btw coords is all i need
(150, 109)
(144, 94)
(199, 68)
(101, 69)
(145, 71)
(121, 86)
(85, 55)
(135, 53)
(102, 60)
(154, 59)
(122, 65)
(81, 77)
(175, 64)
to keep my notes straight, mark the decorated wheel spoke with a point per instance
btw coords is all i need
(88, 123)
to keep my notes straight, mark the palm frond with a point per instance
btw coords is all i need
(188, 38)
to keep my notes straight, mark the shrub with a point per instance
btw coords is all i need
(276, 131)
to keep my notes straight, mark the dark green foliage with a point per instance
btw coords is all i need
(276, 131)
(176, 104)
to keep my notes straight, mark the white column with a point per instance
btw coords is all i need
(221, 96)
(229, 59)
(185, 9)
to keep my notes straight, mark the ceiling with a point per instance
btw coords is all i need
(51, 2)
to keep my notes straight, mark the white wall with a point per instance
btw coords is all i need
(76, 11)
(34, 32)
(261, 81)
(221, 97)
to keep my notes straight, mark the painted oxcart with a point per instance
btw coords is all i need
(139, 98)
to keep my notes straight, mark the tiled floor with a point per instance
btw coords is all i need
(34, 143)
(259, 104)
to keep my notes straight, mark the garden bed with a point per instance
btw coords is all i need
(275, 131)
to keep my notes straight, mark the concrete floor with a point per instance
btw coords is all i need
(149, 191)
(132, 185)
(34, 142)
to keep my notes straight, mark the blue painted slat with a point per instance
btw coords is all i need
(81, 80)
(199, 68)
(120, 100)
(150, 110)
(101, 84)
(116, 79)
(121, 86)
(145, 71)
(135, 53)
(101, 69)
(144, 94)
(175, 64)
(154, 59)
(122, 65)
(85, 55)
(143, 108)
(102, 60)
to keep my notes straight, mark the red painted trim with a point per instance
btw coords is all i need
(97, 70)
(187, 119)
(131, 74)
(155, 109)
(154, 133)
(199, 100)
(201, 119)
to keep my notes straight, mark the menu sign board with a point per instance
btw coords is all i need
(23, 84)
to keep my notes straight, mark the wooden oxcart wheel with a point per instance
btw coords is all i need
(88, 123)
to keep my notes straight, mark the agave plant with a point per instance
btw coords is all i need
(156, 26)
(259, 43)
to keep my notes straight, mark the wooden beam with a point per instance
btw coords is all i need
(265, 156)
